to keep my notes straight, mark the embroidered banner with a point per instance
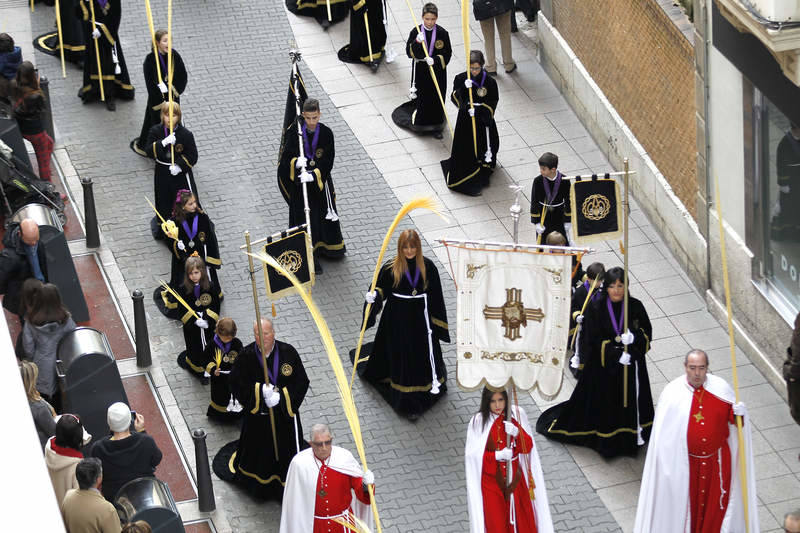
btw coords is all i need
(294, 253)
(596, 210)
(513, 319)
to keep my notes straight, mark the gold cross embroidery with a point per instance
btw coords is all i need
(513, 314)
(698, 416)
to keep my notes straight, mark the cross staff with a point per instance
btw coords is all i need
(169, 77)
(465, 31)
(625, 280)
(296, 57)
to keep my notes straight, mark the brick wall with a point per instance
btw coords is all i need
(645, 67)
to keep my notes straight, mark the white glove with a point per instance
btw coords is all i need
(169, 139)
(627, 338)
(162, 87)
(785, 189)
(539, 229)
(301, 162)
(95, 34)
(181, 246)
(306, 177)
(368, 478)
(579, 319)
(503, 455)
(370, 297)
(266, 390)
(429, 61)
(420, 37)
(206, 374)
(273, 399)
(574, 361)
(625, 359)
(201, 323)
(468, 83)
(739, 409)
(471, 111)
(511, 429)
(174, 170)
(568, 231)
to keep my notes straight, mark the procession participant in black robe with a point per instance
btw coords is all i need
(466, 172)
(594, 274)
(203, 297)
(424, 113)
(72, 28)
(157, 89)
(319, 10)
(405, 361)
(253, 461)
(550, 193)
(357, 51)
(611, 408)
(196, 237)
(220, 355)
(105, 36)
(168, 179)
(317, 160)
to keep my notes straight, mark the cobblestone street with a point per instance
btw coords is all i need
(236, 55)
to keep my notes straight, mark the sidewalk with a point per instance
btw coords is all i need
(533, 118)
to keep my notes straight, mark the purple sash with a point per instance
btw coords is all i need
(548, 195)
(311, 150)
(416, 278)
(226, 347)
(428, 45)
(191, 233)
(616, 323)
(273, 375)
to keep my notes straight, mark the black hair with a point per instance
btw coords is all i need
(88, 471)
(69, 432)
(548, 160)
(6, 43)
(311, 105)
(476, 56)
(430, 7)
(596, 270)
(486, 399)
(613, 275)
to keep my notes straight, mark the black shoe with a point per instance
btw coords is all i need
(111, 105)
(492, 74)
(473, 193)
(438, 135)
(374, 66)
(317, 267)
(512, 69)
(325, 24)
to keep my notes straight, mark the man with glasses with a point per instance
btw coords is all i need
(325, 483)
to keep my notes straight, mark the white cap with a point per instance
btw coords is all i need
(119, 417)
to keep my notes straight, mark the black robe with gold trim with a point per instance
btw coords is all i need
(559, 210)
(155, 98)
(603, 409)
(250, 460)
(107, 19)
(399, 363)
(424, 113)
(357, 51)
(207, 307)
(319, 10)
(205, 246)
(165, 185)
(326, 234)
(220, 385)
(72, 28)
(465, 171)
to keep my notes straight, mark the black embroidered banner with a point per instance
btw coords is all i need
(294, 253)
(596, 210)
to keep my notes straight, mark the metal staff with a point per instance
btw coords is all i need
(296, 57)
(60, 38)
(328, 5)
(169, 77)
(465, 31)
(260, 336)
(625, 281)
(735, 372)
(97, 54)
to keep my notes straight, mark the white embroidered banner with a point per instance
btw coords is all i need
(513, 319)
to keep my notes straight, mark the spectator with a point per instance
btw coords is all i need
(84, 509)
(63, 453)
(22, 257)
(791, 521)
(30, 291)
(41, 411)
(140, 526)
(29, 110)
(48, 321)
(125, 455)
(791, 371)
(490, 13)
(10, 59)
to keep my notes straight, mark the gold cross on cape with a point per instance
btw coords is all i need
(698, 416)
(513, 314)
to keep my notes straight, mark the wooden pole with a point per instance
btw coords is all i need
(97, 54)
(153, 38)
(731, 342)
(625, 281)
(169, 92)
(60, 38)
(260, 335)
(465, 31)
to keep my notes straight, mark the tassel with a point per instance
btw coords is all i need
(274, 313)
(231, 405)
(621, 248)
(117, 69)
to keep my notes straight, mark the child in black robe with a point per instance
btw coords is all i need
(365, 12)
(424, 112)
(157, 89)
(103, 39)
(72, 28)
(196, 236)
(473, 158)
(203, 298)
(219, 356)
(580, 302)
(550, 207)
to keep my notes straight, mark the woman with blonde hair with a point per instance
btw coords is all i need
(405, 361)
(42, 412)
